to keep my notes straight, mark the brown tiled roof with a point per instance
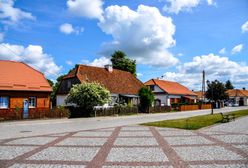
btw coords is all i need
(171, 87)
(21, 77)
(199, 94)
(237, 93)
(117, 81)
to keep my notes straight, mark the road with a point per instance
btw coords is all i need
(16, 129)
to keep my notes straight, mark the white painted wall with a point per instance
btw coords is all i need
(157, 89)
(60, 100)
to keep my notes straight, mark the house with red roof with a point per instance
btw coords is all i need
(238, 97)
(123, 86)
(168, 92)
(23, 90)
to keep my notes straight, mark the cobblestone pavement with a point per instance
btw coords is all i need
(132, 146)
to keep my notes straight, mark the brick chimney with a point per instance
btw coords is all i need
(109, 67)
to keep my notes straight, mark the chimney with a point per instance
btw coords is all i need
(109, 67)
(243, 88)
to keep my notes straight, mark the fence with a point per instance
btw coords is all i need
(159, 109)
(33, 113)
(116, 111)
(194, 107)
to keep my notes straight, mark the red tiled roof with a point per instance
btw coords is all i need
(171, 87)
(199, 94)
(117, 81)
(21, 77)
(237, 93)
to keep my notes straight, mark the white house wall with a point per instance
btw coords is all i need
(157, 89)
(60, 100)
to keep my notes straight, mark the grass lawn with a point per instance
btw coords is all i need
(194, 123)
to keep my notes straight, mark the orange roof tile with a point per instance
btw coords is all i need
(199, 94)
(171, 87)
(237, 93)
(117, 81)
(19, 76)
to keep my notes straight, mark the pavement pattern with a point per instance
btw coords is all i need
(131, 146)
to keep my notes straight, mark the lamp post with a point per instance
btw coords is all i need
(212, 97)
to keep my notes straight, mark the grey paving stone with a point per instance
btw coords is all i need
(83, 141)
(243, 148)
(206, 153)
(137, 167)
(66, 154)
(45, 166)
(136, 155)
(187, 140)
(232, 138)
(176, 133)
(220, 166)
(135, 141)
(135, 128)
(33, 141)
(10, 152)
(94, 133)
(138, 133)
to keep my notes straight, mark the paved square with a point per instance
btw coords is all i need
(94, 133)
(135, 128)
(45, 166)
(136, 155)
(83, 141)
(206, 153)
(66, 154)
(10, 152)
(136, 133)
(137, 167)
(33, 141)
(188, 140)
(232, 138)
(135, 141)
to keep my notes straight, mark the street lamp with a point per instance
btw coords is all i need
(212, 97)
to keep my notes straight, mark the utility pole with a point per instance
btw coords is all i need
(203, 86)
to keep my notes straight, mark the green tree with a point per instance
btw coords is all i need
(88, 95)
(146, 98)
(50, 82)
(229, 85)
(55, 89)
(122, 62)
(216, 91)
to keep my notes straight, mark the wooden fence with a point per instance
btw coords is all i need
(116, 111)
(194, 107)
(159, 109)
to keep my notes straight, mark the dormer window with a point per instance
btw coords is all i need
(151, 87)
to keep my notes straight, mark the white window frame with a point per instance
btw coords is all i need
(4, 107)
(34, 102)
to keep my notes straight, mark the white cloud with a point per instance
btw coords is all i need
(222, 51)
(69, 62)
(237, 49)
(244, 27)
(67, 28)
(180, 54)
(98, 62)
(32, 55)
(216, 67)
(180, 5)
(176, 6)
(139, 74)
(86, 8)
(1, 37)
(144, 34)
(11, 15)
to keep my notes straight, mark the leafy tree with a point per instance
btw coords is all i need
(229, 85)
(146, 98)
(50, 82)
(216, 91)
(121, 61)
(88, 95)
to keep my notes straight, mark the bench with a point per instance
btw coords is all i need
(227, 117)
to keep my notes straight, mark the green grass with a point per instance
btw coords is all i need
(194, 123)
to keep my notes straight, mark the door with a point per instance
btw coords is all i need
(25, 108)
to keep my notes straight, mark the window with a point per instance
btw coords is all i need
(32, 102)
(152, 87)
(4, 102)
(68, 84)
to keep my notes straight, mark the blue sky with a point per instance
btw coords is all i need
(171, 39)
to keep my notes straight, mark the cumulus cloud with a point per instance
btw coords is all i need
(237, 49)
(32, 55)
(176, 6)
(99, 62)
(244, 27)
(1, 36)
(67, 28)
(69, 62)
(86, 8)
(222, 51)
(11, 15)
(216, 67)
(145, 35)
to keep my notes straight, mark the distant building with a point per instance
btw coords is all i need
(238, 97)
(200, 96)
(122, 85)
(168, 92)
(23, 90)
